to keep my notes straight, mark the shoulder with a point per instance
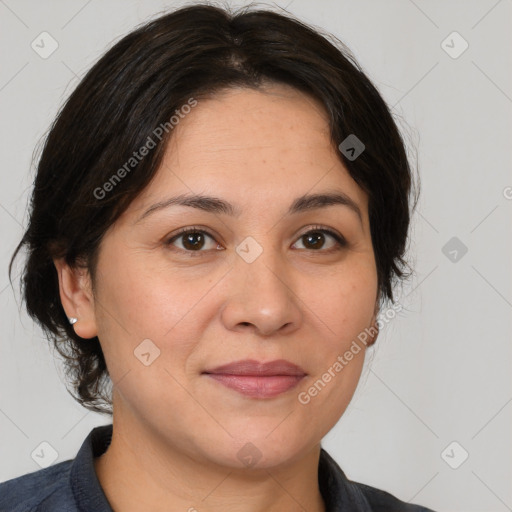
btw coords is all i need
(43, 490)
(340, 493)
(382, 501)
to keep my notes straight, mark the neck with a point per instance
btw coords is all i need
(139, 471)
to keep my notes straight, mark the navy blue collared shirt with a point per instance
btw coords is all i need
(72, 486)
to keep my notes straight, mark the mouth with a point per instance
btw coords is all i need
(256, 379)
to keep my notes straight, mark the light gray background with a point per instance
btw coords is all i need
(441, 369)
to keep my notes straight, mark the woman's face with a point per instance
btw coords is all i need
(246, 285)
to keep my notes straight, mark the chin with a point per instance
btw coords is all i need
(258, 450)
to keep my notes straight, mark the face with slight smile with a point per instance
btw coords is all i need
(291, 291)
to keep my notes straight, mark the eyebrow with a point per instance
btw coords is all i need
(216, 205)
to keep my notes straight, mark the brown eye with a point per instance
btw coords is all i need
(315, 240)
(193, 240)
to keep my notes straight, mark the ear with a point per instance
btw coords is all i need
(374, 329)
(76, 296)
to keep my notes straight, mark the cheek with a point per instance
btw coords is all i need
(138, 299)
(343, 302)
(137, 302)
(341, 309)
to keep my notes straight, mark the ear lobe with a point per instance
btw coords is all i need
(374, 329)
(77, 298)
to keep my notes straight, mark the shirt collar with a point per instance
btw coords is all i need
(85, 485)
(339, 493)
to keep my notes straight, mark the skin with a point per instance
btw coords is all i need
(176, 431)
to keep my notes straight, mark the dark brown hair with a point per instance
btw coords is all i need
(136, 87)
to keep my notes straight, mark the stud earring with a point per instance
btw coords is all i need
(72, 320)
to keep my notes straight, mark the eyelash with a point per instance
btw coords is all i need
(342, 243)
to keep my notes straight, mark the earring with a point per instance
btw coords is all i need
(72, 320)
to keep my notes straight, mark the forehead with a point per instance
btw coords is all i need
(252, 147)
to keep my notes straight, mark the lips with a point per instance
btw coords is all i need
(256, 368)
(258, 380)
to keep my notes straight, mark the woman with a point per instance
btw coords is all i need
(219, 214)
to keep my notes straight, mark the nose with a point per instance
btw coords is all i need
(260, 297)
